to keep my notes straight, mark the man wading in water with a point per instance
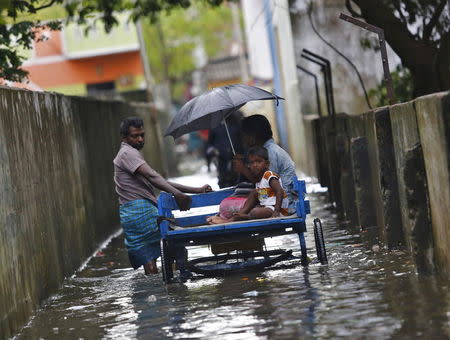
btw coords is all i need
(134, 180)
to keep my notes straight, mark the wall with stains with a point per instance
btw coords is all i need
(388, 171)
(57, 199)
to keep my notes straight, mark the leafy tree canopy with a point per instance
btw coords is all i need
(419, 32)
(171, 42)
(19, 26)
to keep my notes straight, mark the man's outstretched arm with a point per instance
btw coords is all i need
(183, 201)
(191, 190)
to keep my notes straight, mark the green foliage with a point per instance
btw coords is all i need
(19, 23)
(369, 42)
(418, 31)
(425, 19)
(403, 88)
(172, 40)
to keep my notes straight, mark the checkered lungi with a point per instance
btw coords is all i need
(139, 222)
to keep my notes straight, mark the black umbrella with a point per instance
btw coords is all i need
(211, 108)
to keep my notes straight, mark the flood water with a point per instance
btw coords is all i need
(363, 293)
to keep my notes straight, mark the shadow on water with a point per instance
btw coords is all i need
(364, 292)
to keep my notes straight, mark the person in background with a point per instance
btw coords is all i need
(256, 131)
(219, 144)
(134, 181)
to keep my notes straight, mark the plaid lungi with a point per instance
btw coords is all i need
(139, 222)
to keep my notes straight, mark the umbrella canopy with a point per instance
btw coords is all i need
(212, 108)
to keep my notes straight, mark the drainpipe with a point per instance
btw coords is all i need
(279, 109)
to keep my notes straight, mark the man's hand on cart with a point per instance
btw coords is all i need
(183, 201)
(205, 188)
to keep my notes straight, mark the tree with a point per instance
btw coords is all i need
(402, 83)
(18, 31)
(419, 32)
(171, 41)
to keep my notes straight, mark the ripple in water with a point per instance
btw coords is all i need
(364, 292)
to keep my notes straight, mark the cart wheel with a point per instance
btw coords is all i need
(320, 242)
(166, 262)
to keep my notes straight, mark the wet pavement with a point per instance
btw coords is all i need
(363, 293)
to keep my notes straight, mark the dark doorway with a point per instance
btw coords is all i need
(101, 89)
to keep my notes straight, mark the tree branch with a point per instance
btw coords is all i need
(428, 29)
(349, 7)
(398, 7)
(442, 69)
(45, 6)
(396, 32)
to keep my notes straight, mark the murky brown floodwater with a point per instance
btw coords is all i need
(361, 294)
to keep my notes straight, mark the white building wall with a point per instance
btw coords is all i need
(260, 62)
(286, 56)
(259, 58)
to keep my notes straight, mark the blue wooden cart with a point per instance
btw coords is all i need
(178, 233)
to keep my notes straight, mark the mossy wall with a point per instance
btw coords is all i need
(405, 161)
(57, 199)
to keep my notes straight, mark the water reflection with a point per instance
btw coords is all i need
(363, 293)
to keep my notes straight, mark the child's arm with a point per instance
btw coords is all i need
(279, 193)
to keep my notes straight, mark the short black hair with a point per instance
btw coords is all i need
(259, 151)
(257, 126)
(125, 125)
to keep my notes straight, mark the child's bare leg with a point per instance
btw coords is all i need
(240, 217)
(260, 212)
(250, 203)
(218, 220)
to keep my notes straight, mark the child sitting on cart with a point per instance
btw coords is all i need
(268, 199)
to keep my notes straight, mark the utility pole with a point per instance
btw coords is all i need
(150, 88)
(281, 120)
(237, 36)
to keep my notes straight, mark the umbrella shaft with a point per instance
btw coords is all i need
(228, 134)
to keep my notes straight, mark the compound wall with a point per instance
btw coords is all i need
(388, 171)
(57, 199)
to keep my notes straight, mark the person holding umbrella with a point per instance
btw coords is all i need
(218, 143)
(212, 108)
(256, 131)
(134, 181)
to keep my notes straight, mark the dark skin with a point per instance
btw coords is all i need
(136, 138)
(258, 166)
(238, 160)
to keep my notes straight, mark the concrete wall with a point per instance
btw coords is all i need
(433, 118)
(57, 199)
(388, 171)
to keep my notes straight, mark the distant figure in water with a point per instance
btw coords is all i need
(134, 180)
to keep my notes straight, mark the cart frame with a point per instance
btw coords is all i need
(201, 233)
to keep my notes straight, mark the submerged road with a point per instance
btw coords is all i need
(363, 293)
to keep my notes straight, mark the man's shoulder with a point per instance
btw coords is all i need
(276, 151)
(126, 151)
